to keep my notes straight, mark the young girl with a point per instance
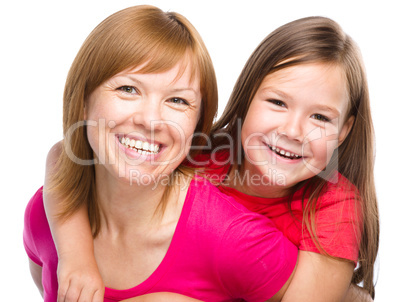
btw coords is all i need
(295, 143)
(301, 107)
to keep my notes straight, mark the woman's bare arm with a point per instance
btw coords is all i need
(36, 273)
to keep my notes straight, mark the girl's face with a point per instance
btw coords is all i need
(295, 122)
(140, 126)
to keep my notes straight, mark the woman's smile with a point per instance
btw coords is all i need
(153, 120)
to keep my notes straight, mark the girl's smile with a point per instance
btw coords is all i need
(295, 122)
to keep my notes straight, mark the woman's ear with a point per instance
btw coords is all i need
(347, 126)
(85, 112)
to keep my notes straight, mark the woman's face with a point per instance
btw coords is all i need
(295, 122)
(140, 126)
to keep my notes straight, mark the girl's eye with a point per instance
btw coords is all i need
(320, 117)
(277, 103)
(128, 89)
(178, 101)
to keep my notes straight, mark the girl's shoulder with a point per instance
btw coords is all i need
(337, 190)
(213, 166)
(337, 220)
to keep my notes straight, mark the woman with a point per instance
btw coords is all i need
(143, 83)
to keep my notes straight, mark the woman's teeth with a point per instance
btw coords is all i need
(283, 153)
(139, 146)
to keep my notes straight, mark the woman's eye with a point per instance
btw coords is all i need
(178, 101)
(277, 102)
(128, 89)
(320, 117)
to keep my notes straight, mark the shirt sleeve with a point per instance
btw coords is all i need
(29, 223)
(338, 224)
(255, 258)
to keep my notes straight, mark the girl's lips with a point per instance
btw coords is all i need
(283, 154)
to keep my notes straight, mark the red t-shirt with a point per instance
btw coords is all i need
(338, 214)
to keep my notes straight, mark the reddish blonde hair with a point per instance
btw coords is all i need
(139, 35)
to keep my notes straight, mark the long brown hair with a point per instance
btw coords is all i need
(139, 35)
(308, 40)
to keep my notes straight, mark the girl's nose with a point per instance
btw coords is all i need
(292, 128)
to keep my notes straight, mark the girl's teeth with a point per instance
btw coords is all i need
(284, 153)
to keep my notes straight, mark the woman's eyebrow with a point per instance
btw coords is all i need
(184, 90)
(132, 78)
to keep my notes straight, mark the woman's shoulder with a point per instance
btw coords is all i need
(211, 197)
(37, 237)
(34, 211)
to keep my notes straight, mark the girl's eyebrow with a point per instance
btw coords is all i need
(277, 92)
(327, 108)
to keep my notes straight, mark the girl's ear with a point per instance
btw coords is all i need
(346, 129)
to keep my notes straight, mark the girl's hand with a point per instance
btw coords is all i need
(79, 280)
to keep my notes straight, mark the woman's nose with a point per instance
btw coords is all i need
(148, 114)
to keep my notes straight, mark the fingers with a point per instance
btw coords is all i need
(78, 292)
(69, 292)
(98, 296)
(90, 294)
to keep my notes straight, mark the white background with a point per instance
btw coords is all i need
(39, 40)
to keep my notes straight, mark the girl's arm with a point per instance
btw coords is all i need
(357, 294)
(77, 270)
(319, 278)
